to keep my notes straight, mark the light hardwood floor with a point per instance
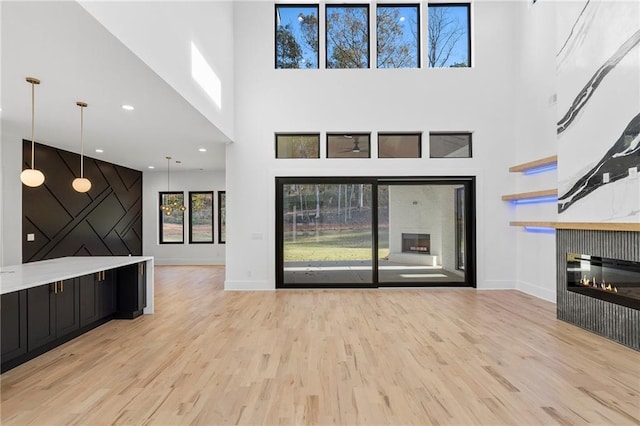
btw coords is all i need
(424, 356)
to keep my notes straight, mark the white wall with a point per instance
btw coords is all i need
(179, 254)
(11, 197)
(433, 214)
(478, 99)
(161, 32)
(535, 138)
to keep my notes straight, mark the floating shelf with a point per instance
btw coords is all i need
(589, 226)
(536, 164)
(531, 195)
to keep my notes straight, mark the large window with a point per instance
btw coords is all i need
(296, 36)
(222, 217)
(398, 36)
(172, 219)
(449, 36)
(355, 145)
(450, 145)
(347, 40)
(399, 145)
(298, 145)
(201, 217)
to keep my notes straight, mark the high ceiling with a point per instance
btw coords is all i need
(77, 59)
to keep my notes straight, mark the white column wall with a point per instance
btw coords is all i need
(479, 99)
(179, 254)
(535, 138)
(11, 197)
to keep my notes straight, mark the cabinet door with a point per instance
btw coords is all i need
(13, 324)
(105, 289)
(89, 308)
(41, 316)
(67, 307)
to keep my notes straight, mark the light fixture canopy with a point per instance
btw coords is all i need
(171, 205)
(81, 184)
(32, 177)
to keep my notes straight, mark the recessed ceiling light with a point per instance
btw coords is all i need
(99, 151)
(202, 149)
(128, 107)
(152, 167)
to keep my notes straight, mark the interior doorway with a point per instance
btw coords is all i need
(372, 232)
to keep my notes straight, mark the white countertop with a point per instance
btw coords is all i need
(27, 275)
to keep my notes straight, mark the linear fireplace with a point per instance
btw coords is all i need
(598, 309)
(416, 243)
(616, 281)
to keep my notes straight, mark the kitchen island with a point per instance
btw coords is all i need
(46, 303)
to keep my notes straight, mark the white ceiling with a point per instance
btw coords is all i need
(77, 59)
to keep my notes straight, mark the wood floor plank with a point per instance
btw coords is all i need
(292, 357)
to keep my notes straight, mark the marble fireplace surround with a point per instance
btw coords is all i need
(615, 322)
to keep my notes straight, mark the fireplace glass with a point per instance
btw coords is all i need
(616, 281)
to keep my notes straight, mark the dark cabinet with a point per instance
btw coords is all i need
(97, 297)
(106, 293)
(34, 320)
(132, 290)
(13, 324)
(88, 299)
(53, 310)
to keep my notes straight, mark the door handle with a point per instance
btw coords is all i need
(61, 286)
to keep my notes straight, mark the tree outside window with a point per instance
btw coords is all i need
(172, 223)
(201, 217)
(397, 32)
(296, 36)
(449, 38)
(222, 217)
(347, 36)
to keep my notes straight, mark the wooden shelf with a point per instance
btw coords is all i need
(589, 226)
(534, 164)
(528, 195)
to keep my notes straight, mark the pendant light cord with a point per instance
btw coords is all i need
(33, 126)
(168, 174)
(81, 142)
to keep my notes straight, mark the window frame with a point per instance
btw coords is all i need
(275, 32)
(418, 134)
(452, 4)
(317, 134)
(466, 133)
(222, 194)
(161, 219)
(418, 6)
(190, 208)
(326, 27)
(368, 134)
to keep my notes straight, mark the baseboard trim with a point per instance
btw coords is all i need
(537, 291)
(497, 285)
(239, 285)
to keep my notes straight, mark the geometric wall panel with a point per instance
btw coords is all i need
(106, 221)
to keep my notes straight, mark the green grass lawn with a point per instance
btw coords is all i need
(333, 245)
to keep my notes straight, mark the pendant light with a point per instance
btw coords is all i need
(170, 206)
(81, 184)
(32, 177)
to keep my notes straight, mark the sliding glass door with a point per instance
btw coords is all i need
(370, 232)
(327, 233)
(417, 233)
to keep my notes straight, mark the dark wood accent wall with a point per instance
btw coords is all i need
(106, 221)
